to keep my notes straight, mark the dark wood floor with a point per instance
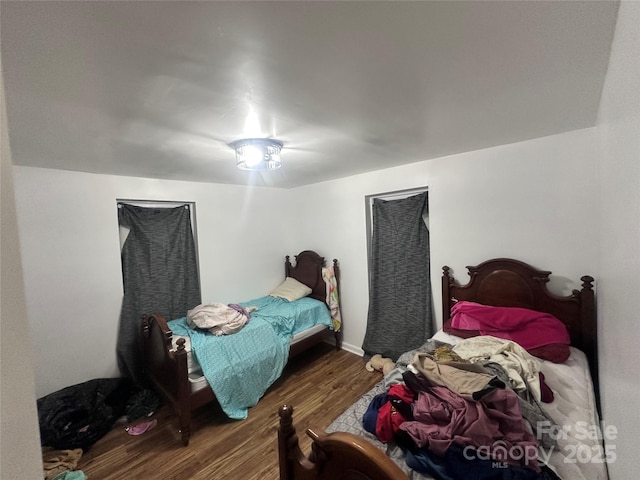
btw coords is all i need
(320, 384)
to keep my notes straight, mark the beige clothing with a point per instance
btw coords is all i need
(523, 369)
(55, 462)
(468, 380)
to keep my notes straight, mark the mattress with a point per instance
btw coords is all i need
(579, 454)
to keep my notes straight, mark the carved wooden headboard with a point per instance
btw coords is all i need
(308, 270)
(505, 282)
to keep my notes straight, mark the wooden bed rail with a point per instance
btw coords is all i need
(334, 456)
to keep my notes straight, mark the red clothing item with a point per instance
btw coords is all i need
(389, 418)
(402, 392)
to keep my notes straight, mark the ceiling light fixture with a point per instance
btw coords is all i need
(257, 154)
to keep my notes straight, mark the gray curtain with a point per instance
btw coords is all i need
(160, 275)
(400, 305)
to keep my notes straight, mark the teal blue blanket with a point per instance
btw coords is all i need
(240, 367)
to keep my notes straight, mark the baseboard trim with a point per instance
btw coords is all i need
(347, 346)
(352, 349)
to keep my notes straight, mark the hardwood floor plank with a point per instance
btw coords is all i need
(320, 384)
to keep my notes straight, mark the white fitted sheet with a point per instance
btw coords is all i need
(578, 454)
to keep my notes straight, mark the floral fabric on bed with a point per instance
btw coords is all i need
(329, 277)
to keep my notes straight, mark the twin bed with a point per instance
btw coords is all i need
(191, 367)
(566, 435)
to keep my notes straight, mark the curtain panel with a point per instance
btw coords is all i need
(160, 275)
(400, 316)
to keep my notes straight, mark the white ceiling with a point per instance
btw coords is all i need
(158, 89)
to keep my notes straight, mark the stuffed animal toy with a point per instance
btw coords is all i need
(378, 363)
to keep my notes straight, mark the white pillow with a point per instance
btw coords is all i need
(291, 289)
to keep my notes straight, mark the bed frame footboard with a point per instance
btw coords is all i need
(167, 369)
(334, 456)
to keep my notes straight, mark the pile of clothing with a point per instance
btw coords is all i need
(73, 419)
(457, 418)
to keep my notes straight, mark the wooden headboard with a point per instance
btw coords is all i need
(504, 282)
(308, 270)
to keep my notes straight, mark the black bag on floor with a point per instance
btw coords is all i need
(79, 415)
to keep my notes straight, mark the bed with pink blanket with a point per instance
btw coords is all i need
(508, 389)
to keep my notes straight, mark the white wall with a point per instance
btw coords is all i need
(531, 200)
(70, 248)
(619, 252)
(534, 201)
(20, 453)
